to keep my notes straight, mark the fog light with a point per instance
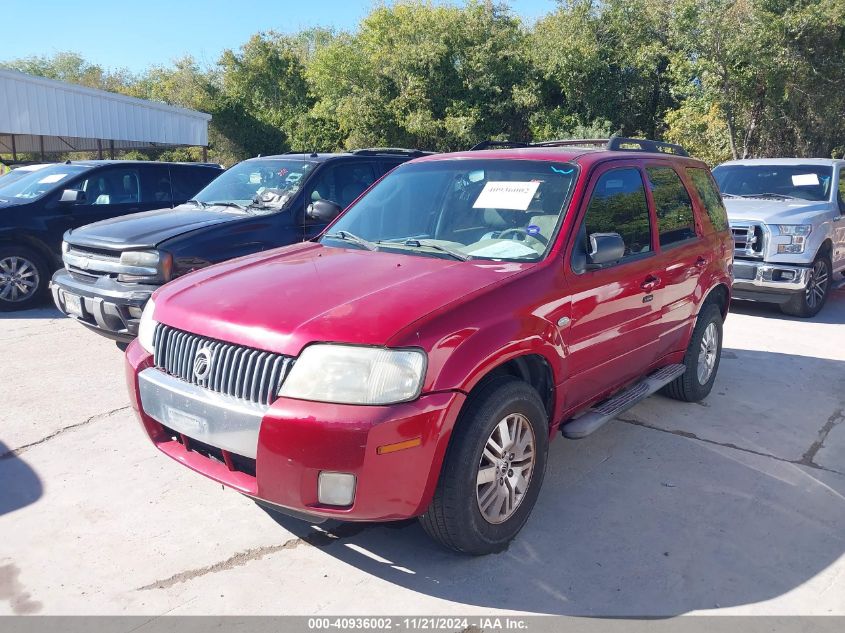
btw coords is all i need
(134, 312)
(336, 489)
(787, 275)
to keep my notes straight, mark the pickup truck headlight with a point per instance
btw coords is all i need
(147, 328)
(151, 265)
(348, 374)
(798, 237)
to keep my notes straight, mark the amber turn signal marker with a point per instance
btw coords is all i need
(399, 446)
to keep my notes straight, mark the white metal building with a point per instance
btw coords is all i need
(44, 116)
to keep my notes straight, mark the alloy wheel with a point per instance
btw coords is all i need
(18, 278)
(505, 468)
(817, 286)
(707, 354)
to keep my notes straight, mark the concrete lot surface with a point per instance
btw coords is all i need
(734, 505)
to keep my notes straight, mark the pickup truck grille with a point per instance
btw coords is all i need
(749, 240)
(242, 372)
(88, 262)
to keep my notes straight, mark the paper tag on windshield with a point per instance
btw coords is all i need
(506, 195)
(46, 180)
(805, 180)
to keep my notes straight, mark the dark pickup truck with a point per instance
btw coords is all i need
(112, 267)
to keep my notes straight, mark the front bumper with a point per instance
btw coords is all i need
(765, 281)
(111, 308)
(275, 453)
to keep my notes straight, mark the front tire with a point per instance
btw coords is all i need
(493, 469)
(808, 303)
(701, 359)
(23, 278)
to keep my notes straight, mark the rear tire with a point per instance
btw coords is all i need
(701, 359)
(23, 278)
(482, 498)
(808, 303)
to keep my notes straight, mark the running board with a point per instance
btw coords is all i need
(594, 418)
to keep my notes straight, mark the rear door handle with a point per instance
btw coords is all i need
(650, 283)
(701, 262)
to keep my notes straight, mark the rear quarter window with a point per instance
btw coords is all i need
(706, 189)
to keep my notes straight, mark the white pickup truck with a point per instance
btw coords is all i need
(787, 216)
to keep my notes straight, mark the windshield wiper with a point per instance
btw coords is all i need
(438, 247)
(767, 195)
(351, 237)
(226, 203)
(201, 205)
(725, 194)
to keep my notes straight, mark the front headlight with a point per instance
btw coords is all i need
(348, 374)
(797, 238)
(149, 265)
(147, 328)
(795, 229)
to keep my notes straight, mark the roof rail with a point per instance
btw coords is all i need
(371, 151)
(573, 142)
(644, 145)
(491, 144)
(618, 143)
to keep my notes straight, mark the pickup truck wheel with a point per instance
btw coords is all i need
(23, 278)
(493, 469)
(808, 303)
(702, 358)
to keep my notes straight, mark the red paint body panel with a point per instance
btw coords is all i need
(469, 317)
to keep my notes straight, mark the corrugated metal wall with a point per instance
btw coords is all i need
(70, 117)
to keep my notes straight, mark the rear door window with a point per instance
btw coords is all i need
(155, 185)
(672, 204)
(187, 181)
(709, 194)
(618, 205)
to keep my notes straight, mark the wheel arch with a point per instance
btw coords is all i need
(34, 244)
(719, 294)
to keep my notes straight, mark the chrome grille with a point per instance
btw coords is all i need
(749, 239)
(89, 261)
(242, 372)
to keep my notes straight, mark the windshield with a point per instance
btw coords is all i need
(493, 209)
(805, 182)
(261, 183)
(35, 184)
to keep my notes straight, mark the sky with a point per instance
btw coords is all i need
(135, 35)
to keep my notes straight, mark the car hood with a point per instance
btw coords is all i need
(13, 202)
(282, 300)
(148, 228)
(770, 211)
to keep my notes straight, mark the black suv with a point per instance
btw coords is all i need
(112, 267)
(36, 209)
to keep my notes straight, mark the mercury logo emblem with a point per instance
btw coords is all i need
(202, 363)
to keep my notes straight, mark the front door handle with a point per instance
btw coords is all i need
(650, 283)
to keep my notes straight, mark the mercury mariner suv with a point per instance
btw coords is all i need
(788, 221)
(417, 357)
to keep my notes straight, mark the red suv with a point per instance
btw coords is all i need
(417, 357)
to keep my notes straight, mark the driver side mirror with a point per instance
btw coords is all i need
(72, 196)
(605, 248)
(323, 211)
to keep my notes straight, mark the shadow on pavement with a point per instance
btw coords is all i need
(19, 484)
(833, 311)
(638, 522)
(45, 310)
